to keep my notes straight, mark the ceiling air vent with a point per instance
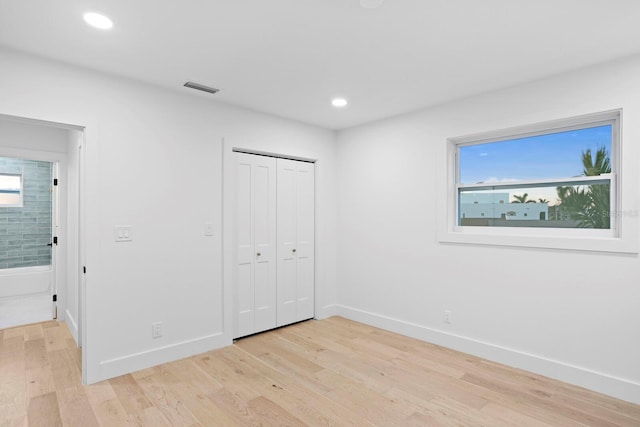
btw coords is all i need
(198, 86)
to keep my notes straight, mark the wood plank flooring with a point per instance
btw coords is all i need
(328, 372)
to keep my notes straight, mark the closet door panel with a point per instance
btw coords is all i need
(243, 295)
(287, 239)
(305, 222)
(265, 242)
(255, 276)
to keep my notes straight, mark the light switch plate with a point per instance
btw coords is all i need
(123, 233)
(208, 229)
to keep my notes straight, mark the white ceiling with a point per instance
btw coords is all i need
(290, 57)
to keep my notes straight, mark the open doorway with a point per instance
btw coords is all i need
(40, 238)
(28, 242)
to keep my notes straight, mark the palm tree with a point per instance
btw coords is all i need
(590, 206)
(523, 199)
(520, 199)
(541, 200)
(599, 166)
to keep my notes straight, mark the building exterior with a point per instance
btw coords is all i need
(497, 206)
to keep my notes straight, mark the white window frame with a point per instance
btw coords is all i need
(20, 203)
(610, 240)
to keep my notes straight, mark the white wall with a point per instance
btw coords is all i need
(153, 159)
(568, 315)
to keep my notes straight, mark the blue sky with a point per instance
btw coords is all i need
(556, 155)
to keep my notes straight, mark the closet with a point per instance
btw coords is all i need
(275, 226)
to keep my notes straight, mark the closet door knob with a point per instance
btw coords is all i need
(294, 251)
(258, 254)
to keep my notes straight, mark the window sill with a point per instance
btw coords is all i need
(574, 240)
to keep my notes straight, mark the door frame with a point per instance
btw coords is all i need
(60, 159)
(56, 196)
(228, 241)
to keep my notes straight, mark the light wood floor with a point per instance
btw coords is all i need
(329, 372)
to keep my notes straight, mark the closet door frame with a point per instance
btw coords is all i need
(228, 241)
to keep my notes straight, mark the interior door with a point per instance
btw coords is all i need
(55, 231)
(255, 290)
(295, 200)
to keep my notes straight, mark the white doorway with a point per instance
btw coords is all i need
(28, 230)
(34, 293)
(274, 243)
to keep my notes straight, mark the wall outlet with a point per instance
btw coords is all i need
(446, 316)
(156, 330)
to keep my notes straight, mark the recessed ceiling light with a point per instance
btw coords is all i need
(339, 102)
(98, 21)
(371, 4)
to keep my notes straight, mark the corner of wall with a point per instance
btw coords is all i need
(327, 311)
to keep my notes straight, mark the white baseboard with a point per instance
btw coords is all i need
(602, 383)
(72, 324)
(146, 359)
(327, 311)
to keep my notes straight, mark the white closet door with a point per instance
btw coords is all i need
(295, 229)
(255, 290)
(306, 243)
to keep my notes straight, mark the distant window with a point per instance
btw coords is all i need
(10, 190)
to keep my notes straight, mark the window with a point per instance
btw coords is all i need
(531, 185)
(10, 190)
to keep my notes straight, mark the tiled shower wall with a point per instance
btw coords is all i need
(26, 231)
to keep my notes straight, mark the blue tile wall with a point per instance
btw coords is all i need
(26, 231)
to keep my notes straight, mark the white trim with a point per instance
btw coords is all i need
(72, 324)
(619, 388)
(145, 359)
(58, 216)
(559, 125)
(41, 122)
(276, 155)
(581, 180)
(619, 238)
(228, 238)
